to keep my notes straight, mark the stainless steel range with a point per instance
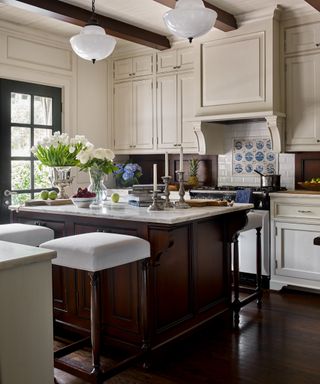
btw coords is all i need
(247, 240)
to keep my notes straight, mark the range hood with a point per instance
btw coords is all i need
(211, 134)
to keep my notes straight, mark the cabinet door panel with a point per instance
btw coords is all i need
(303, 97)
(122, 69)
(143, 120)
(302, 38)
(186, 110)
(185, 58)
(142, 65)
(295, 253)
(167, 111)
(122, 116)
(166, 61)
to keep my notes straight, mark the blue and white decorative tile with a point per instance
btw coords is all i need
(253, 154)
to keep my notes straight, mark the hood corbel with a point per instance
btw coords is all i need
(276, 125)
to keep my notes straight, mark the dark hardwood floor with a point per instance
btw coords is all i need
(278, 344)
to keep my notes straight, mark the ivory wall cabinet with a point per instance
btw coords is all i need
(175, 111)
(153, 111)
(133, 117)
(302, 67)
(295, 222)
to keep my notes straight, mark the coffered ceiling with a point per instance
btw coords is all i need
(144, 14)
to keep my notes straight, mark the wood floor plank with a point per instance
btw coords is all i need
(279, 344)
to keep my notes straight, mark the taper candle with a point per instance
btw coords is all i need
(155, 177)
(166, 164)
(181, 159)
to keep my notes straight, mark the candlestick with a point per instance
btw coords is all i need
(157, 204)
(155, 177)
(166, 164)
(181, 159)
(167, 203)
(181, 204)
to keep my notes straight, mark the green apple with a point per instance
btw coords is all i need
(115, 197)
(44, 195)
(53, 195)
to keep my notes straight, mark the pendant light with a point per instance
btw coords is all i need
(190, 19)
(92, 43)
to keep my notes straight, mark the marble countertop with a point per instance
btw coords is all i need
(14, 255)
(123, 211)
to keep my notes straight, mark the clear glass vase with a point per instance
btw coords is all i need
(97, 186)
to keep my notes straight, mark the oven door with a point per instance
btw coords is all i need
(247, 247)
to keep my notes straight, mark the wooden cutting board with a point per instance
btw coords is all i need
(34, 202)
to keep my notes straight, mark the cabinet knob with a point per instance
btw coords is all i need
(317, 44)
(318, 140)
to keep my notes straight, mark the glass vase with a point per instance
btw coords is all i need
(97, 186)
(61, 178)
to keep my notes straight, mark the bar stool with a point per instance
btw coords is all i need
(93, 253)
(25, 234)
(254, 222)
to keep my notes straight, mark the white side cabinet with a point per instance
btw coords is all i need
(26, 321)
(295, 222)
(133, 116)
(175, 111)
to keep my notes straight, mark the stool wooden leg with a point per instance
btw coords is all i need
(95, 324)
(236, 302)
(259, 274)
(145, 315)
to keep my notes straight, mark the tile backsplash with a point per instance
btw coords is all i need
(249, 147)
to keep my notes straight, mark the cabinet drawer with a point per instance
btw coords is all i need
(297, 211)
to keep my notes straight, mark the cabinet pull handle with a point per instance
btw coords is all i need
(178, 66)
(133, 74)
(302, 211)
(175, 67)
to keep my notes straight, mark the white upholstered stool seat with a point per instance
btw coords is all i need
(25, 234)
(93, 253)
(97, 251)
(254, 221)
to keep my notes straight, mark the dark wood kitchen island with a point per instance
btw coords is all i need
(189, 273)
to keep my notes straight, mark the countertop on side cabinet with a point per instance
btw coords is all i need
(127, 212)
(296, 193)
(14, 255)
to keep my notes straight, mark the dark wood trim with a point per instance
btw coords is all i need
(75, 15)
(225, 21)
(306, 166)
(314, 3)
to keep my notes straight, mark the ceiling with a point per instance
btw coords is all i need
(146, 14)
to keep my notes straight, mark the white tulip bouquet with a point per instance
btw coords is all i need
(59, 150)
(98, 158)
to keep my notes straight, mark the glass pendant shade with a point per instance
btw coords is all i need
(92, 43)
(190, 19)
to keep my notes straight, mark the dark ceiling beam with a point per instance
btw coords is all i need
(225, 21)
(79, 16)
(314, 3)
